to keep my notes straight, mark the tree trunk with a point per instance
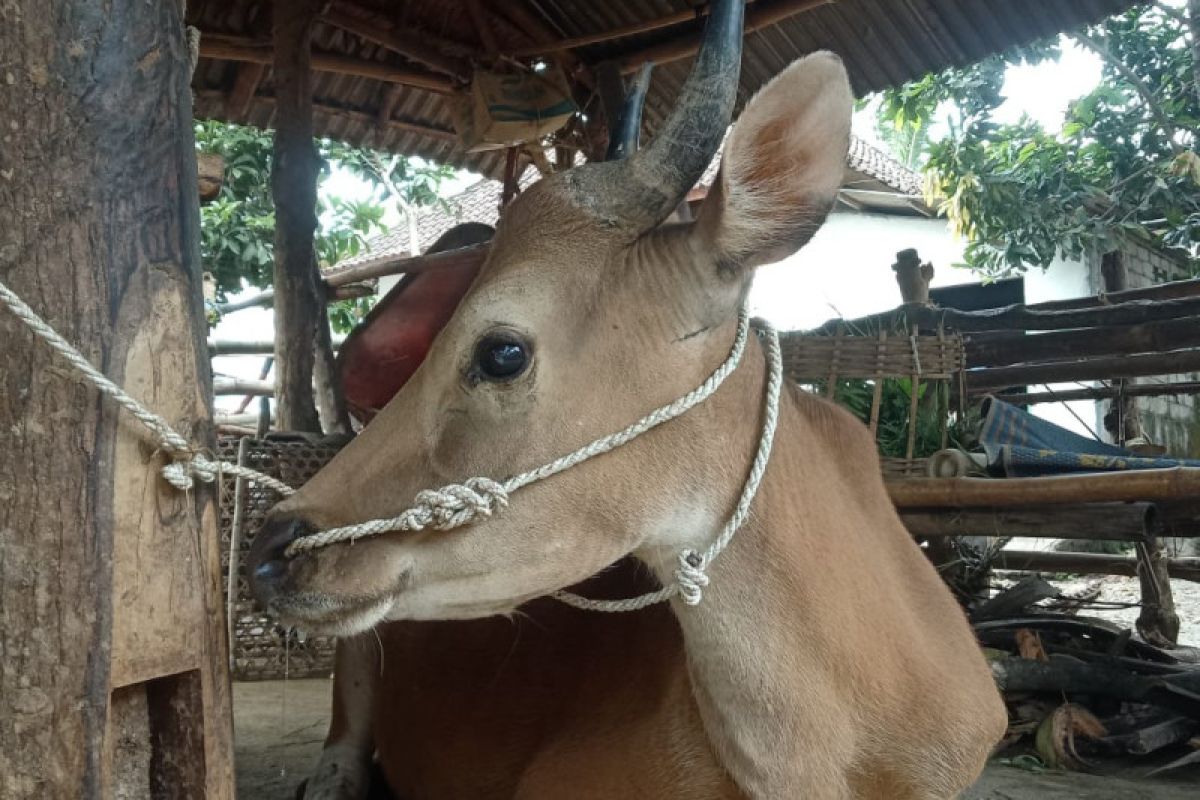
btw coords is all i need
(298, 301)
(1194, 24)
(110, 615)
(331, 401)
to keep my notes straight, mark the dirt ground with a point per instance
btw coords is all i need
(279, 727)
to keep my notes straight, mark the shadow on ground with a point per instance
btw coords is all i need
(279, 727)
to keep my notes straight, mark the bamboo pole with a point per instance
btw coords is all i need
(409, 265)
(231, 347)
(1124, 522)
(250, 52)
(1102, 393)
(981, 381)
(267, 297)
(1175, 483)
(226, 386)
(1187, 569)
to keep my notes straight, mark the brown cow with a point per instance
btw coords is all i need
(826, 660)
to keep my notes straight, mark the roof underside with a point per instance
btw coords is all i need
(883, 43)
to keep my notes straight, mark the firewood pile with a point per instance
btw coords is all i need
(1080, 690)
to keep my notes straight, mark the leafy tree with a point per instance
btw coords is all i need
(1123, 164)
(238, 227)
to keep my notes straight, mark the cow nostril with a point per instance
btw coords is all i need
(268, 561)
(270, 570)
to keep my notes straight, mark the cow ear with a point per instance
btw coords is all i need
(782, 166)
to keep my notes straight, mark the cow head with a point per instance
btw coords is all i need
(586, 315)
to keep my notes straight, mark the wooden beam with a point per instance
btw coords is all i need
(249, 52)
(1103, 393)
(223, 386)
(1020, 317)
(1187, 569)
(299, 303)
(1175, 362)
(1008, 348)
(411, 45)
(633, 29)
(1127, 522)
(245, 85)
(536, 28)
(466, 52)
(398, 265)
(761, 15)
(370, 121)
(1176, 483)
(1173, 290)
(240, 347)
(387, 105)
(483, 27)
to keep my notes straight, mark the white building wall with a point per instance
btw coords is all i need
(845, 271)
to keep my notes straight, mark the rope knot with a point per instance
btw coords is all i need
(691, 577)
(180, 472)
(457, 504)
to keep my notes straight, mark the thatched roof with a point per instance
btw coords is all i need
(385, 69)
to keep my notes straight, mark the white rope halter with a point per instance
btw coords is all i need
(458, 504)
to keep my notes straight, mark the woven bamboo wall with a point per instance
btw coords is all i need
(261, 649)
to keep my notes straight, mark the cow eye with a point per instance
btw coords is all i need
(501, 356)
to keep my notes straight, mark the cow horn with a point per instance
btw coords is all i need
(640, 191)
(623, 139)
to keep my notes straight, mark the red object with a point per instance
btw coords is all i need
(383, 352)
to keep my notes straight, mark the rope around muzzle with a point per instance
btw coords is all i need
(456, 505)
(459, 504)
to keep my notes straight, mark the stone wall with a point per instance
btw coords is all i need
(1171, 421)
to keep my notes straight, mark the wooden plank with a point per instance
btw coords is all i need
(1127, 522)
(1174, 362)
(1022, 317)
(1176, 483)
(1003, 349)
(1103, 393)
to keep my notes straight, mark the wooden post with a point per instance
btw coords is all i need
(299, 307)
(1122, 421)
(1157, 621)
(113, 677)
(913, 277)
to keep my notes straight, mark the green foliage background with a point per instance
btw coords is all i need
(1122, 165)
(237, 229)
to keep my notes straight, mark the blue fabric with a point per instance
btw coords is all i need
(1018, 444)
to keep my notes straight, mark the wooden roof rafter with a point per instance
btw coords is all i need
(393, 59)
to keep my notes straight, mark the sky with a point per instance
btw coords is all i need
(1042, 92)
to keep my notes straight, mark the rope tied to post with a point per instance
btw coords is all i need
(187, 464)
(455, 505)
